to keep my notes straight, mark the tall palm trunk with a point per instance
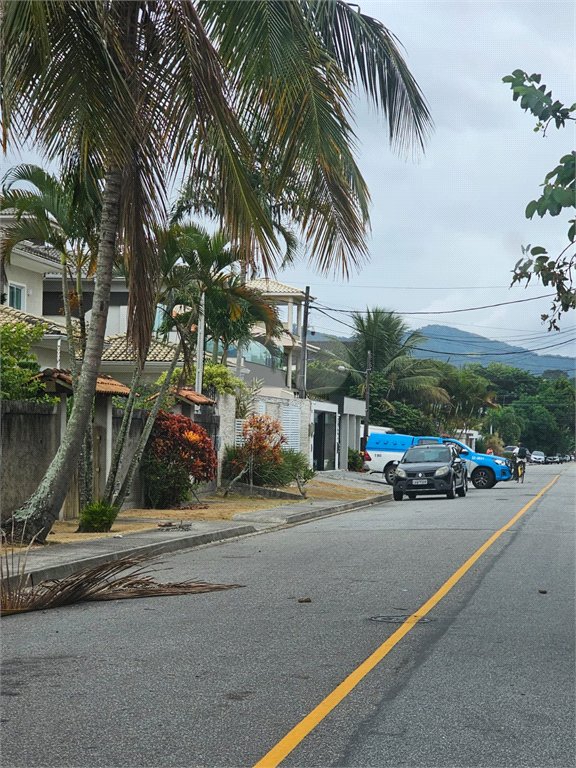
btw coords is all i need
(85, 472)
(121, 439)
(139, 452)
(37, 515)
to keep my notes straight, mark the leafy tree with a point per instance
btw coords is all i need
(507, 381)
(61, 212)
(18, 364)
(541, 431)
(558, 194)
(404, 419)
(138, 88)
(195, 262)
(506, 422)
(554, 373)
(261, 451)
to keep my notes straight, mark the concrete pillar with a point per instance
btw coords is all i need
(103, 421)
(62, 414)
(299, 320)
(290, 322)
(289, 370)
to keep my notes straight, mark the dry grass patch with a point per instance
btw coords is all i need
(316, 489)
(210, 509)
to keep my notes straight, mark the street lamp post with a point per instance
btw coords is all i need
(364, 441)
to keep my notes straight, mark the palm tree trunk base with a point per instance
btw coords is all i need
(29, 522)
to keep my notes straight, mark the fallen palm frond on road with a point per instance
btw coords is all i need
(108, 581)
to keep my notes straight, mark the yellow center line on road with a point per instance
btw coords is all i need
(283, 748)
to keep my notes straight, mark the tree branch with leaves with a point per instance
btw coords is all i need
(558, 194)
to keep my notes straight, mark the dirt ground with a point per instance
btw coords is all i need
(211, 507)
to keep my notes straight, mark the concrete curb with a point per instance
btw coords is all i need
(315, 509)
(61, 570)
(266, 520)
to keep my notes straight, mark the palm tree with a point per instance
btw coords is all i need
(195, 263)
(63, 213)
(137, 88)
(391, 345)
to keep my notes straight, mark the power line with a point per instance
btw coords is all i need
(443, 311)
(462, 354)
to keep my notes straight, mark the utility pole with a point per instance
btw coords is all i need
(303, 361)
(367, 400)
(200, 344)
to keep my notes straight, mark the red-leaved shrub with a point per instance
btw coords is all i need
(179, 454)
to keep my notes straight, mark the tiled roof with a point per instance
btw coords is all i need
(40, 251)
(274, 288)
(190, 395)
(9, 316)
(118, 350)
(105, 385)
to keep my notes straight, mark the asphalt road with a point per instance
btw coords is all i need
(485, 678)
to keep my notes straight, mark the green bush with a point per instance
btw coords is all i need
(355, 460)
(167, 485)
(97, 517)
(268, 473)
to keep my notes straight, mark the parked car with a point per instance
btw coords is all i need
(537, 457)
(567, 457)
(430, 469)
(551, 460)
(384, 451)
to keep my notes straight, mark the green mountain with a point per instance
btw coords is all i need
(461, 347)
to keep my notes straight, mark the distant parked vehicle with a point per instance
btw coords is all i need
(537, 457)
(566, 457)
(552, 460)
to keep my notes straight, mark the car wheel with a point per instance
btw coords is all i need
(411, 495)
(451, 493)
(462, 491)
(398, 495)
(482, 477)
(389, 473)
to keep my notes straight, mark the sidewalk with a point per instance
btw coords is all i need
(60, 560)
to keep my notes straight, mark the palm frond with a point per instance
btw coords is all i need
(369, 53)
(118, 580)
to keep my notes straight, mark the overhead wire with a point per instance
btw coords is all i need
(460, 354)
(443, 311)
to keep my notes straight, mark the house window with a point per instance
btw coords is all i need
(16, 294)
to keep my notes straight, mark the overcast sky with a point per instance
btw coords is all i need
(448, 230)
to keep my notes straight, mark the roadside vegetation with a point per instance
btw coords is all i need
(418, 396)
(124, 96)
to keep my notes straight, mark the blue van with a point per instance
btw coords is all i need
(384, 451)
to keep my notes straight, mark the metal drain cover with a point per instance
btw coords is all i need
(398, 619)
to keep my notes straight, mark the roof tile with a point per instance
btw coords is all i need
(119, 350)
(105, 385)
(9, 316)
